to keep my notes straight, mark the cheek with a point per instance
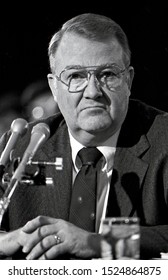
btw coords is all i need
(64, 104)
(67, 103)
(62, 97)
(119, 103)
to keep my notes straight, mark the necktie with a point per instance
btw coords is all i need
(83, 201)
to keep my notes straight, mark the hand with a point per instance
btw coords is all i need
(74, 241)
(11, 242)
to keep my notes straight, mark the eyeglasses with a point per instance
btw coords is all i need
(76, 78)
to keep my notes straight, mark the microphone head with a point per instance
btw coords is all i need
(41, 128)
(19, 126)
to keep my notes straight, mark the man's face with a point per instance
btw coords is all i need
(93, 112)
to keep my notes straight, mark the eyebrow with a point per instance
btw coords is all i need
(74, 66)
(81, 67)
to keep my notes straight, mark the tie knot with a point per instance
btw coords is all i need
(89, 156)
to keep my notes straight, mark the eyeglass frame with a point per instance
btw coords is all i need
(78, 67)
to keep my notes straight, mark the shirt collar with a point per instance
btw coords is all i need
(107, 148)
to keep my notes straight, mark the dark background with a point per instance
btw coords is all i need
(26, 30)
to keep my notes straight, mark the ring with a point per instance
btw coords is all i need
(57, 239)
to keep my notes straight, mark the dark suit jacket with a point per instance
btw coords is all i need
(139, 184)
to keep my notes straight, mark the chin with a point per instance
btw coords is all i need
(95, 123)
(95, 127)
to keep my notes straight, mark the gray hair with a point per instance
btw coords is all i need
(93, 27)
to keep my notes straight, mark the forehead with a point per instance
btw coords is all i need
(76, 50)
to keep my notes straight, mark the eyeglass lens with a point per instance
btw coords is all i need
(77, 79)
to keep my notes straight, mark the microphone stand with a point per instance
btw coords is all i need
(16, 178)
(5, 200)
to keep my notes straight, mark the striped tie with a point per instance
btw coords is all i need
(83, 201)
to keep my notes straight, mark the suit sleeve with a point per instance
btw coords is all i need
(153, 241)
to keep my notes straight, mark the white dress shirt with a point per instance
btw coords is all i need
(105, 168)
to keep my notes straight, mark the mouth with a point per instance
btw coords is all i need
(94, 107)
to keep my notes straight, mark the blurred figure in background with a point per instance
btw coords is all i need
(37, 101)
(9, 109)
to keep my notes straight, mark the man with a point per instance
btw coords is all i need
(91, 80)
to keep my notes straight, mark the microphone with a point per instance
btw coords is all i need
(18, 128)
(39, 135)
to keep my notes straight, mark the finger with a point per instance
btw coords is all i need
(43, 246)
(54, 252)
(38, 235)
(37, 222)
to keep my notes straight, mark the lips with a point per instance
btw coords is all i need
(93, 107)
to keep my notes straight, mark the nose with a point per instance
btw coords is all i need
(92, 89)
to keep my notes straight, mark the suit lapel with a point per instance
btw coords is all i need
(128, 172)
(59, 147)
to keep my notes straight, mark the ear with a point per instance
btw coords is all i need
(130, 77)
(53, 85)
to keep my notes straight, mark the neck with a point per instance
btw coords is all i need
(92, 140)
